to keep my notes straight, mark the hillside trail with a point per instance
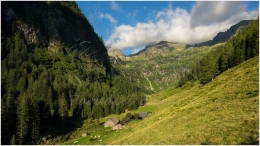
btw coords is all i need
(151, 87)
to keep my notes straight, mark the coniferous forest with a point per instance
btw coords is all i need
(243, 46)
(44, 87)
(56, 74)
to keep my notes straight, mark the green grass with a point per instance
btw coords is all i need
(224, 111)
(164, 66)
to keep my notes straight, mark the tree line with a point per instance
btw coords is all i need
(42, 88)
(241, 47)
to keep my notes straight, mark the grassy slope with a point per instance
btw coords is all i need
(164, 67)
(224, 111)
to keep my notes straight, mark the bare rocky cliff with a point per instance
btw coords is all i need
(48, 24)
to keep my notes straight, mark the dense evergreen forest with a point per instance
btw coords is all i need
(243, 46)
(47, 82)
(44, 87)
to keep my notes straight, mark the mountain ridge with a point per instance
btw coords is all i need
(50, 24)
(222, 37)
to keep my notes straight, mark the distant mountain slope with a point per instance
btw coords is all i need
(116, 53)
(222, 37)
(166, 63)
(158, 67)
(162, 47)
(224, 111)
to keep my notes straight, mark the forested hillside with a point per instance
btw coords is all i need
(55, 69)
(164, 64)
(57, 81)
(243, 46)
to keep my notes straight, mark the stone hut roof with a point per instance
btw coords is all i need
(142, 115)
(114, 120)
(111, 122)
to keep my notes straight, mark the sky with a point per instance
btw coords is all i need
(131, 25)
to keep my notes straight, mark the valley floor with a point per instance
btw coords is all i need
(224, 111)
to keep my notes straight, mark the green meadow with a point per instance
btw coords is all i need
(224, 111)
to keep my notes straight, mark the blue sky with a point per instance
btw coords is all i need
(131, 25)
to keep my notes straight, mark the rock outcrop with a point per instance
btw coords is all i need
(49, 23)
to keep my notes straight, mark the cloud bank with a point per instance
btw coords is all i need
(177, 25)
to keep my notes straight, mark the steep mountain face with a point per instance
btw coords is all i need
(55, 71)
(116, 53)
(158, 66)
(163, 47)
(50, 24)
(166, 63)
(222, 37)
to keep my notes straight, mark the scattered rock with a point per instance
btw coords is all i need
(44, 139)
(71, 136)
(118, 126)
(75, 141)
(84, 134)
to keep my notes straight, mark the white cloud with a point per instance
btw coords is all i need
(108, 17)
(177, 25)
(115, 6)
(212, 12)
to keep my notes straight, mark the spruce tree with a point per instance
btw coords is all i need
(23, 119)
(63, 107)
(8, 114)
(34, 121)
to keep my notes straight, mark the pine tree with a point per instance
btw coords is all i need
(223, 61)
(50, 98)
(34, 121)
(87, 110)
(209, 67)
(113, 108)
(21, 84)
(63, 107)
(8, 116)
(11, 80)
(23, 119)
(13, 140)
(100, 111)
(117, 111)
(106, 109)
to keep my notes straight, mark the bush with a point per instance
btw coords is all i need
(128, 115)
(136, 116)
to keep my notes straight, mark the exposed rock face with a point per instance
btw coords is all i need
(163, 47)
(31, 35)
(51, 23)
(224, 36)
(116, 53)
